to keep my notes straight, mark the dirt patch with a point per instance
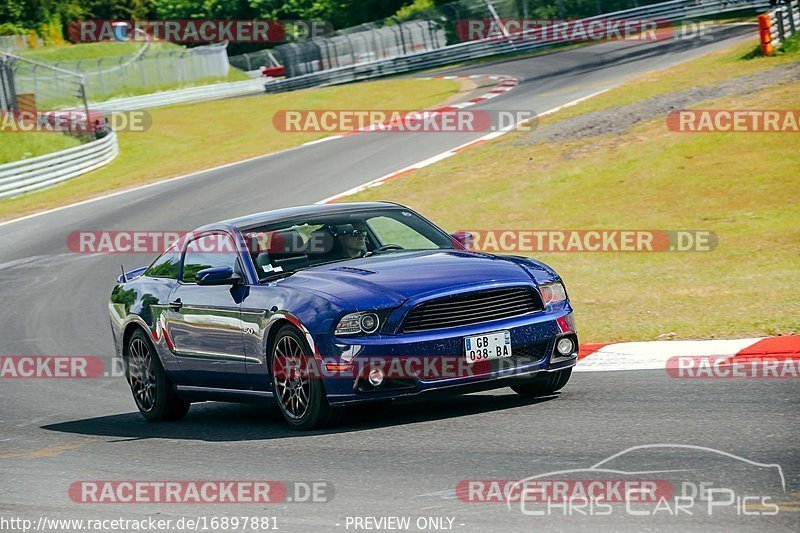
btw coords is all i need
(622, 118)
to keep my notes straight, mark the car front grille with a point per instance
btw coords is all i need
(473, 308)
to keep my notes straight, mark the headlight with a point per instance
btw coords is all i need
(552, 293)
(357, 323)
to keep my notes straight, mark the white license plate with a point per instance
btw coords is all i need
(488, 346)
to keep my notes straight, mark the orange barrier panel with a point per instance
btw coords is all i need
(764, 25)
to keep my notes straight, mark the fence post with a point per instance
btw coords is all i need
(377, 47)
(181, 67)
(432, 33)
(352, 50)
(158, 67)
(402, 37)
(100, 75)
(396, 39)
(82, 94)
(58, 82)
(422, 31)
(35, 80)
(781, 32)
(122, 71)
(142, 72)
(335, 53)
(790, 12)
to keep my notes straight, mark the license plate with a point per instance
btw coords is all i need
(488, 346)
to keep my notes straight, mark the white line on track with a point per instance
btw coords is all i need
(453, 151)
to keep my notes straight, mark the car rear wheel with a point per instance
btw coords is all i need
(297, 383)
(543, 383)
(152, 390)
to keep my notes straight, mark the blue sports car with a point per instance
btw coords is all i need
(322, 306)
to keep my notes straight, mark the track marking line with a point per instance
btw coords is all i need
(453, 151)
(654, 355)
(50, 451)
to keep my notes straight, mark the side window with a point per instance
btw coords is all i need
(209, 251)
(392, 231)
(168, 265)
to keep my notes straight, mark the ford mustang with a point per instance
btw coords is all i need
(322, 306)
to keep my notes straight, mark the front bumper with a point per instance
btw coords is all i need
(435, 360)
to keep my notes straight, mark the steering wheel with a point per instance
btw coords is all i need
(387, 247)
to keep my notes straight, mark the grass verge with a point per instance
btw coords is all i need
(16, 146)
(76, 52)
(743, 187)
(188, 138)
(739, 60)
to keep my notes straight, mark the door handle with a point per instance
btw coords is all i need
(175, 304)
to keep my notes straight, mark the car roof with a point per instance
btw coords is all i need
(289, 213)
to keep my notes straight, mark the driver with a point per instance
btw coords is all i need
(351, 239)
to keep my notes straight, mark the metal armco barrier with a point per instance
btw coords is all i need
(778, 24)
(674, 10)
(37, 173)
(180, 96)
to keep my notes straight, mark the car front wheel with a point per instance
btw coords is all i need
(152, 390)
(543, 383)
(297, 383)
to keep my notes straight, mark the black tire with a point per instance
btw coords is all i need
(152, 390)
(301, 400)
(543, 384)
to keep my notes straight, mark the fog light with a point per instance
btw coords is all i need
(369, 323)
(375, 377)
(565, 346)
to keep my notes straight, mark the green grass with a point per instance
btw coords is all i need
(76, 52)
(791, 45)
(743, 187)
(179, 140)
(16, 146)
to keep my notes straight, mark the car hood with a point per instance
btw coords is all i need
(390, 279)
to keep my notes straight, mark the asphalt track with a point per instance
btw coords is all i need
(405, 461)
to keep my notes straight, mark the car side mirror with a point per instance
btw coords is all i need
(463, 238)
(217, 276)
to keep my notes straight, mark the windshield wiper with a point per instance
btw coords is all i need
(278, 275)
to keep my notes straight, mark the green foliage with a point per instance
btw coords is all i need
(9, 28)
(792, 44)
(34, 14)
(417, 9)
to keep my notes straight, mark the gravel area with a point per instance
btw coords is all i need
(621, 118)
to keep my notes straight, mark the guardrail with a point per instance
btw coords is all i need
(37, 173)
(515, 43)
(777, 25)
(179, 96)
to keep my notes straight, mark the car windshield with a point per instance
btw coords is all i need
(278, 249)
